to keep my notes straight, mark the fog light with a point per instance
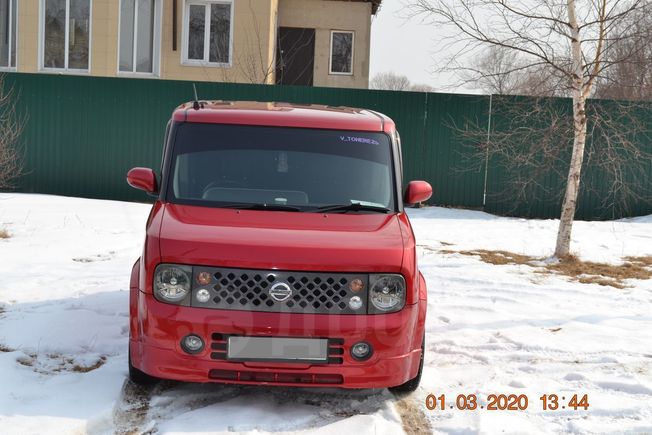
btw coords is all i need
(192, 344)
(355, 303)
(361, 351)
(203, 295)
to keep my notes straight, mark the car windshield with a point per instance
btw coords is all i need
(276, 168)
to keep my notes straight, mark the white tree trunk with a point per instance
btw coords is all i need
(569, 205)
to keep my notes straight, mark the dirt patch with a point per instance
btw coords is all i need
(4, 234)
(130, 412)
(5, 349)
(585, 272)
(85, 369)
(497, 257)
(428, 248)
(94, 258)
(613, 275)
(24, 361)
(640, 261)
(413, 419)
(53, 363)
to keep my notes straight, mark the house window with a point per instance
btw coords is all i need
(208, 28)
(341, 53)
(139, 36)
(8, 33)
(66, 30)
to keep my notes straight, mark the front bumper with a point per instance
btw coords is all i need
(157, 331)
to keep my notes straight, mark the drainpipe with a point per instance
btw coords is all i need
(174, 25)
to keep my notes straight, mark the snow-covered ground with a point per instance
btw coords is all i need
(491, 329)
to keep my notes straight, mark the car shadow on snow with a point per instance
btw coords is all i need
(174, 406)
(50, 354)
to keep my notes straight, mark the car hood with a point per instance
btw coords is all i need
(351, 242)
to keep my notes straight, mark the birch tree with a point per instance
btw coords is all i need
(570, 37)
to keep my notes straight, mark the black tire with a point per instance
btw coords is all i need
(139, 377)
(411, 385)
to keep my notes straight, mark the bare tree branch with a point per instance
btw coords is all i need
(11, 126)
(391, 81)
(525, 39)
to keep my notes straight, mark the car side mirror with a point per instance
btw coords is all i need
(143, 179)
(417, 191)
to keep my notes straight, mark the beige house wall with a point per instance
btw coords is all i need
(254, 40)
(325, 16)
(254, 35)
(104, 37)
(27, 36)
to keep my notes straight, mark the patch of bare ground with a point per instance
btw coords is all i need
(5, 349)
(4, 234)
(52, 363)
(79, 368)
(641, 261)
(496, 257)
(585, 272)
(614, 275)
(130, 412)
(24, 361)
(413, 419)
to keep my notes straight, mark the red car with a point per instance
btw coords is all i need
(278, 251)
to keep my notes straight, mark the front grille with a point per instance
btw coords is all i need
(279, 291)
(219, 348)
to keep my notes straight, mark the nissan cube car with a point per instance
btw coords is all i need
(278, 251)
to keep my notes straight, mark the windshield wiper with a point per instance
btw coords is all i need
(352, 207)
(260, 206)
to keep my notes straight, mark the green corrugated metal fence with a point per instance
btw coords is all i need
(84, 133)
(616, 175)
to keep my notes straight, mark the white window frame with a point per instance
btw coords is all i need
(330, 57)
(156, 46)
(9, 67)
(41, 41)
(207, 30)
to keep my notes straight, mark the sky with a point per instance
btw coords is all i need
(408, 47)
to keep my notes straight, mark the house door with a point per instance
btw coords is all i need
(295, 56)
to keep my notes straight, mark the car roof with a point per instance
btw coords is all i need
(284, 115)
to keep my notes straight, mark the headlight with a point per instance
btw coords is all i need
(172, 282)
(387, 292)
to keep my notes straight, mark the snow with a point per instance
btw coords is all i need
(508, 330)
(490, 329)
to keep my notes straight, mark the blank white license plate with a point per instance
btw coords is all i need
(277, 349)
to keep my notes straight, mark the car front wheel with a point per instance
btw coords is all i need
(139, 377)
(413, 383)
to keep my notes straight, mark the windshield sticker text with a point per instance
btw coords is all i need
(359, 139)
